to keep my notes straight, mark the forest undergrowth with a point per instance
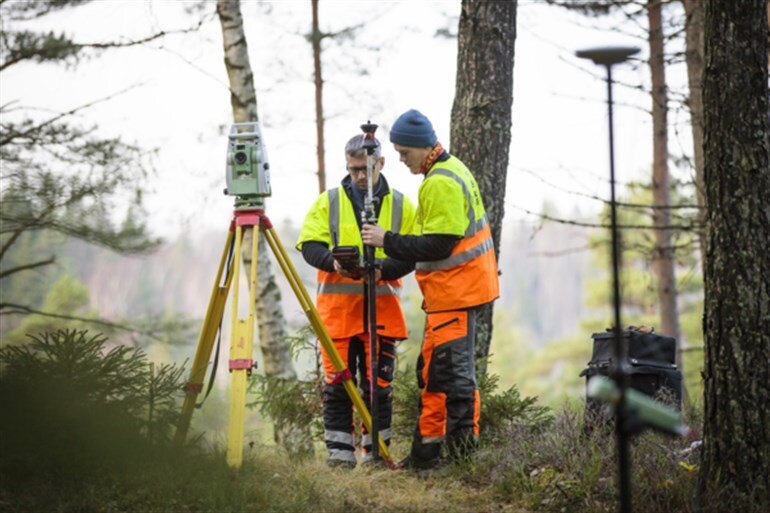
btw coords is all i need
(86, 427)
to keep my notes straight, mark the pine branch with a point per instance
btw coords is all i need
(605, 201)
(26, 133)
(25, 267)
(16, 309)
(546, 217)
(50, 47)
(147, 39)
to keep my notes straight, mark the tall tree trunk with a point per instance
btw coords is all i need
(735, 471)
(315, 39)
(663, 260)
(694, 57)
(481, 116)
(277, 359)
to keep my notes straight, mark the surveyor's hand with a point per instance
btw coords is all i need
(353, 275)
(373, 235)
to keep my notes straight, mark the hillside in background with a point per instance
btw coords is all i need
(542, 280)
(545, 269)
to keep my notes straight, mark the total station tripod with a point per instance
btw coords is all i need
(248, 179)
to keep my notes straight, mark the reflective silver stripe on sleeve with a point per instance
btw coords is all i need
(340, 436)
(357, 288)
(432, 439)
(455, 260)
(385, 434)
(471, 230)
(481, 223)
(388, 290)
(340, 288)
(334, 215)
(342, 455)
(396, 211)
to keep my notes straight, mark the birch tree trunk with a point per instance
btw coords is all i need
(315, 40)
(663, 260)
(481, 117)
(735, 468)
(276, 354)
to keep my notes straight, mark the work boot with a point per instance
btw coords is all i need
(370, 463)
(341, 464)
(412, 462)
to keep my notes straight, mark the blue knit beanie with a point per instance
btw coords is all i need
(413, 129)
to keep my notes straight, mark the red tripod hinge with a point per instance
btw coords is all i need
(242, 363)
(192, 388)
(248, 217)
(264, 223)
(339, 377)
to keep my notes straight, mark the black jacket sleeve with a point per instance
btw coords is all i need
(420, 248)
(318, 255)
(393, 269)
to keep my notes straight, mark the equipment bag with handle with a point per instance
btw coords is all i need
(651, 360)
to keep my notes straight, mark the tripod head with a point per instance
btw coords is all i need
(370, 143)
(247, 169)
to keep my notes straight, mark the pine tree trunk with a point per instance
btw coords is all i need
(481, 117)
(315, 39)
(694, 57)
(663, 260)
(735, 470)
(277, 358)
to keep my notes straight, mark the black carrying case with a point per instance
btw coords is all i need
(651, 357)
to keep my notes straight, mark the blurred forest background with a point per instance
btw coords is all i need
(554, 282)
(96, 236)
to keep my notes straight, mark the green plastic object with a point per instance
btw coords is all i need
(648, 410)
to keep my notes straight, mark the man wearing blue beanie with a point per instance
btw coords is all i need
(413, 129)
(457, 272)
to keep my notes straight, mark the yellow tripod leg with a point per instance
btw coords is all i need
(320, 330)
(206, 338)
(241, 346)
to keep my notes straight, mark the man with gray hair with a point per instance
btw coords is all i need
(334, 220)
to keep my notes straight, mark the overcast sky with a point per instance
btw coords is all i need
(181, 102)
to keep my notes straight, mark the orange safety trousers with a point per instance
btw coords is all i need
(450, 404)
(339, 432)
(386, 358)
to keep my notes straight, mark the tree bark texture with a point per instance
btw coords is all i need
(663, 260)
(481, 117)
(735, 471)
(277, 358)
(694, 57)
(315, 39)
